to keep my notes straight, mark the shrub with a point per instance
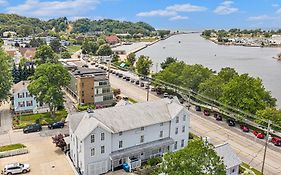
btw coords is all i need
(154, 161)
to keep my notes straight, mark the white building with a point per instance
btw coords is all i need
(230, 158)
(104, 139)
(22, 101)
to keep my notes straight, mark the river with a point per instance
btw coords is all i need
(193, 49)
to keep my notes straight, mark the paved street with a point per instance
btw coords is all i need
(248, 149)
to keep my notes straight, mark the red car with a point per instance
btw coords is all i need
(206, 112)
(276, 141)
(258, 134)
(244, 128)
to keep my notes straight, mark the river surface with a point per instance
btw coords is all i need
(193, 49)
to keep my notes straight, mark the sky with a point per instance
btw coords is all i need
(162, 14)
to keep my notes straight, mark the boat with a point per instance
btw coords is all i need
(179, 41)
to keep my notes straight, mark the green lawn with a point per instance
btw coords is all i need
(43, 118)
(73, 48)
(245, 166)
(11, 147)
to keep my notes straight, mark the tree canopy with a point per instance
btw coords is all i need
(45, 54)
(56, 45)
(104, 50)
(197, 158)
(143, 65)
(46, 85)
(168, 61)
(131, 58)
(5, 75)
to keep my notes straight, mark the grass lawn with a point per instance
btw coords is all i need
(73, 48)
(245, 166)
(11, 147)
(43, 118)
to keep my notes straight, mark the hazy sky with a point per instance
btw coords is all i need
(194, 14)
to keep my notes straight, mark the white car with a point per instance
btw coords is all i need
(15, 168)
(165, 95)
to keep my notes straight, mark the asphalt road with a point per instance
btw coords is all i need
(248, 148)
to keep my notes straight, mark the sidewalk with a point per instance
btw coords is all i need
(5, 118)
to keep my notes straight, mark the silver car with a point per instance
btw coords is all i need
(15, 168)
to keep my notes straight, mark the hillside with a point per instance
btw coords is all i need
(25, 26)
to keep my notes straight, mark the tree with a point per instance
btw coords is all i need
(58, 140)
(247, 93)
(227, 74)
(56, 45)
(45, 54)
(1, 42)
(104, 50)
(15, 74)
(168, 61)
(36, 42)
(197, 158)
(89, 47)
(65, 55)
(143, 65)
(212, 87)
(272, 114)
(6, 79)
(131, 58)
(46, 85)
(101, 41)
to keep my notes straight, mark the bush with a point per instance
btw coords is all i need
(85, 107)
(154, 161)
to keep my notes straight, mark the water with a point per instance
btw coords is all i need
(193, 49)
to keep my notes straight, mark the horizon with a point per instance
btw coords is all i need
(175, 15)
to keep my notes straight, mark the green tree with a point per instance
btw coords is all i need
(89, 47)
(46, 85)
(168, 61)
(15, 74)
(227, 74)
(131, 58)
(104, 50)
(143, 65)
(65, 55)
(212, 87)
(36, 42)
(247, 93)
(45, 54)
(100, 41)
(56, 45)
(1, 42)
(6, 78)
(197, 158)
(272, 114)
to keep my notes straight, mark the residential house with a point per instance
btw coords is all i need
(22, 101)
(230, 158)
(9, 34)
(28, 53)
(103, 139)
(90, 86)
(112, 39)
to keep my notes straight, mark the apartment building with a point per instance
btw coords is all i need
(90, 86)
(103, 139)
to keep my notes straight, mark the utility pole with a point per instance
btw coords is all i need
(147, 92)
(265, 146)
(156, 67)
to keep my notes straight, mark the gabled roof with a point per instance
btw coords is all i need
(20, 86)
(230, 158)
(123, 118)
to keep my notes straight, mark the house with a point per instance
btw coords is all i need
(103, 139)
(112, 39)
(28, 53)
(22, 101)
(230, 158)
(89, 86)
(8, 34)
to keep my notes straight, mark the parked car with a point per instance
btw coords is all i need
(32, 128)
(93, 63)
(165, 95)
(141, 84)
(132, 81)
(117, 74)
(128, 78)
(153, 89)
(218, 117)
(259, 134)
(125, 98)
(124, 77)
(56, 125)
(137, 82)
(96, 65)
(206, 112)
(231, 122)
(276, 141)
(85, 65)
(244, 128)
(198, 108)
(113, 72)
(15, 168)
(146, 86)
(120, 75)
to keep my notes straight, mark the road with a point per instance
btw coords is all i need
(246, 146)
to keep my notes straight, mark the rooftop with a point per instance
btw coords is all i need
(20, 86)
(229, 156)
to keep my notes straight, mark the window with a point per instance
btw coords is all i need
(142, 139)
(82, 84)
(177, 131)
(161, 124)
(161, 134)
(182, 143)
(142, 128)
(29, 103)
(82, 93)
(177, 119)
(183, 128)
(233, 170)
(120, 144)
(92, 151)
(102, 136)
(83, 101)
(102, 149)
(92, 138)
(176, 145)
(120, 133)
(184, 117)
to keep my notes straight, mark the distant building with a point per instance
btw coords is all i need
(90, 86)
(8, 34)
(230, 158)
(28, 53)
(22, 101)
(104, 139)
(112, 39)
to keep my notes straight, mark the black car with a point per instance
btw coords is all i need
(231, 122)
(32, 128)
(132, 81)
(113, 72)
(124, 77)
(120, 75)
(137, 82)
(128, 78)
(56, 125)
(142, 84)
(198, 108)
(117, 74)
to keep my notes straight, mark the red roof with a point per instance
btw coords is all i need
(112, 39)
